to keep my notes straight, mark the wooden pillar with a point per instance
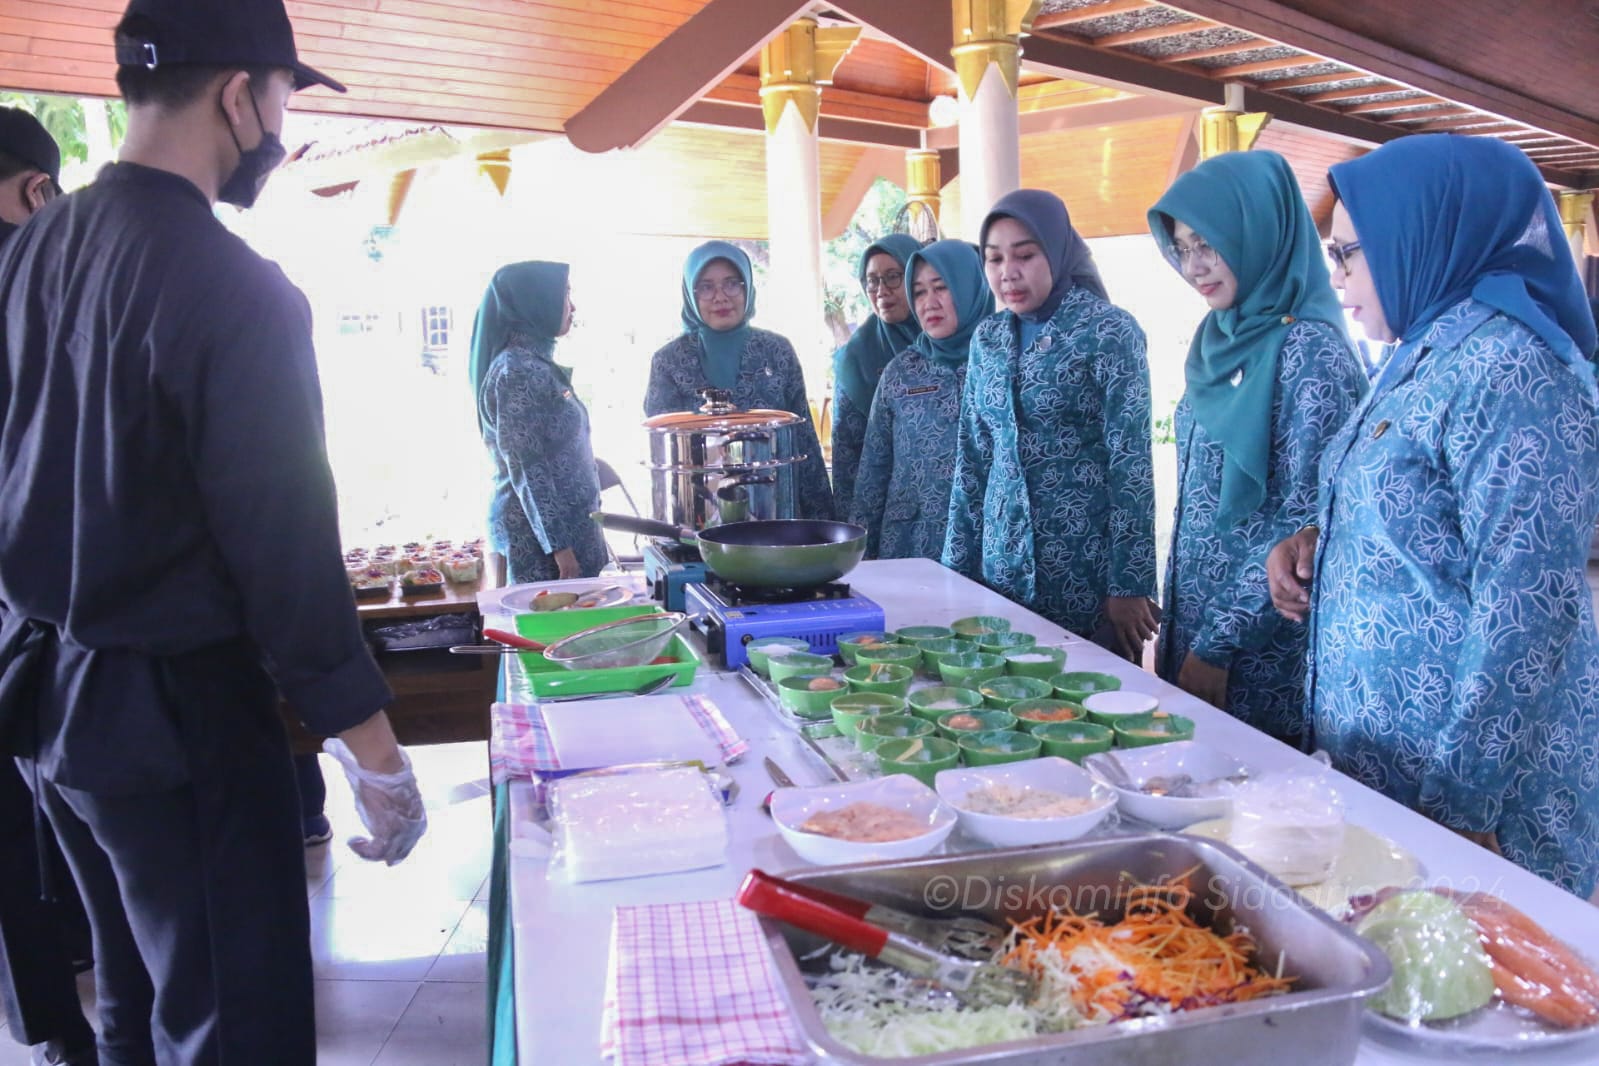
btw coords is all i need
(987, 56)
(923, 180)
(1576, 214)
(1229, 128)
(794, 66)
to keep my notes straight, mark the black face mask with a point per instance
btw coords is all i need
(255, 164)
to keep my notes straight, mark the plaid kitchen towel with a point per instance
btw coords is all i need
(691, 984)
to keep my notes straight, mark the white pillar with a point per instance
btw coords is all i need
(791, 302)
(990, 149)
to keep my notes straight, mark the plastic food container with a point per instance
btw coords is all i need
(547, 678)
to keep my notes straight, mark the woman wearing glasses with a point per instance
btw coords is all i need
(1454, 663)
(858, 365)
(536, 429)
(1270, 376)
(908, 465)
(720, 349)
(1054, 499)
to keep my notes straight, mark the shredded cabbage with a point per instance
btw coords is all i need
(883, 1012)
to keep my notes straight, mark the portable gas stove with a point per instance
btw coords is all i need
(731, 617)
(671, 567)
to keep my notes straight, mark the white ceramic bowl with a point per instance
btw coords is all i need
(1120, 703)
(1047, 774)
(1199, 761)
(791, 807)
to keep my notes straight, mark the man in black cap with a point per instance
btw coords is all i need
(30, 168)
(39, 937)
(171, 549)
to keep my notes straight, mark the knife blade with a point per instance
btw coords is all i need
(779, 778)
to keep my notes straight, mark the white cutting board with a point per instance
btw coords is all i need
(588, 733)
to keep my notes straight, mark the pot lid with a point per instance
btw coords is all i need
(692, 421)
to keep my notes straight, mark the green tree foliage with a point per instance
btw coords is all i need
(846, 304)
(68, 121)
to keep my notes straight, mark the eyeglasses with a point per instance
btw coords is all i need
(1340, 253)
(890, 281)
(1200, 254)
(729, 287)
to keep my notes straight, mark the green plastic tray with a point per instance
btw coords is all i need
(552, 679)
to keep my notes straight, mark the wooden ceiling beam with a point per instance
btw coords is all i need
(1153, 33)
(1281, 21)
(1217, 52)
(1265, 66)
(1084, 116)
(1073, 59)
(671, 76)
(1437, 113)
(1378, 106)
(1352, 94)
(738, 117)
(925, 30)
(1057, 19)
(1315, 79)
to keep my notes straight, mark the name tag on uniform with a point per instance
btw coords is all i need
(923, 390)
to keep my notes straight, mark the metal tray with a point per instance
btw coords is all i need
(1317, 1024)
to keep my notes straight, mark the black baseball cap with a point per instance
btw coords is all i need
(23, 137)
(222, 33)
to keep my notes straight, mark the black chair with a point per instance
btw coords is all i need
(610, 480)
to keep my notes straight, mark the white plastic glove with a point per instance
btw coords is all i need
(390, 806)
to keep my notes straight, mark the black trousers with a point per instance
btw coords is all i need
(38, 938)
(197, 895)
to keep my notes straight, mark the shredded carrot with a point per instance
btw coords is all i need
(1156, 957)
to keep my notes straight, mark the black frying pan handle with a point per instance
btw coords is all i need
(644, 527)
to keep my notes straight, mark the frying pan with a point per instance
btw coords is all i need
(784, 553)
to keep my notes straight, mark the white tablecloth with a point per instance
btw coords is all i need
(562, 930)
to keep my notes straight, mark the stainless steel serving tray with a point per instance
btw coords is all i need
(1316, 1024)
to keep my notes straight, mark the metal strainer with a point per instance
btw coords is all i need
(629, 642)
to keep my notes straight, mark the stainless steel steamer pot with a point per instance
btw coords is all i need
(721, 464)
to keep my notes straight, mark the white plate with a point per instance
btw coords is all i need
(606, 596)
(792, 806)
(593, 733)
(1047, 774)
(1366, 864)
(1199, 761)
(1496, 1027)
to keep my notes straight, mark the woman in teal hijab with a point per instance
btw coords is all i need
(908, 463)
(1271, 375)
(720, 349)
(536, 429)
(1454, 660)
(858, 365)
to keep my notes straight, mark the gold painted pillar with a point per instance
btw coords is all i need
(987, 54)
(794, 66)
(923, 180)
(1576, 214)
(1229, 128)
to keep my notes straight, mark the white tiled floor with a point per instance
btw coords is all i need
(398, 951)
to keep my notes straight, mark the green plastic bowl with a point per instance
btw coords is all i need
(782, 666)
(795, 695)
(921, 757)
(980, 626)
(1000, 643)
(892, 678)
(987, 720)
(1145, 730)
(755, 651)
(917, 634)
(904, 654)
(934, 702)
(1001, 692)
(1044, 663)
(936, 651)
(1108, 708)
(852, 708)
(969, 669)
(883, 727)
(1073, 740)
(1078, 686)
(998, 746)
(1032, 714)
(850, 643)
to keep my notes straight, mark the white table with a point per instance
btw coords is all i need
(562, 931)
